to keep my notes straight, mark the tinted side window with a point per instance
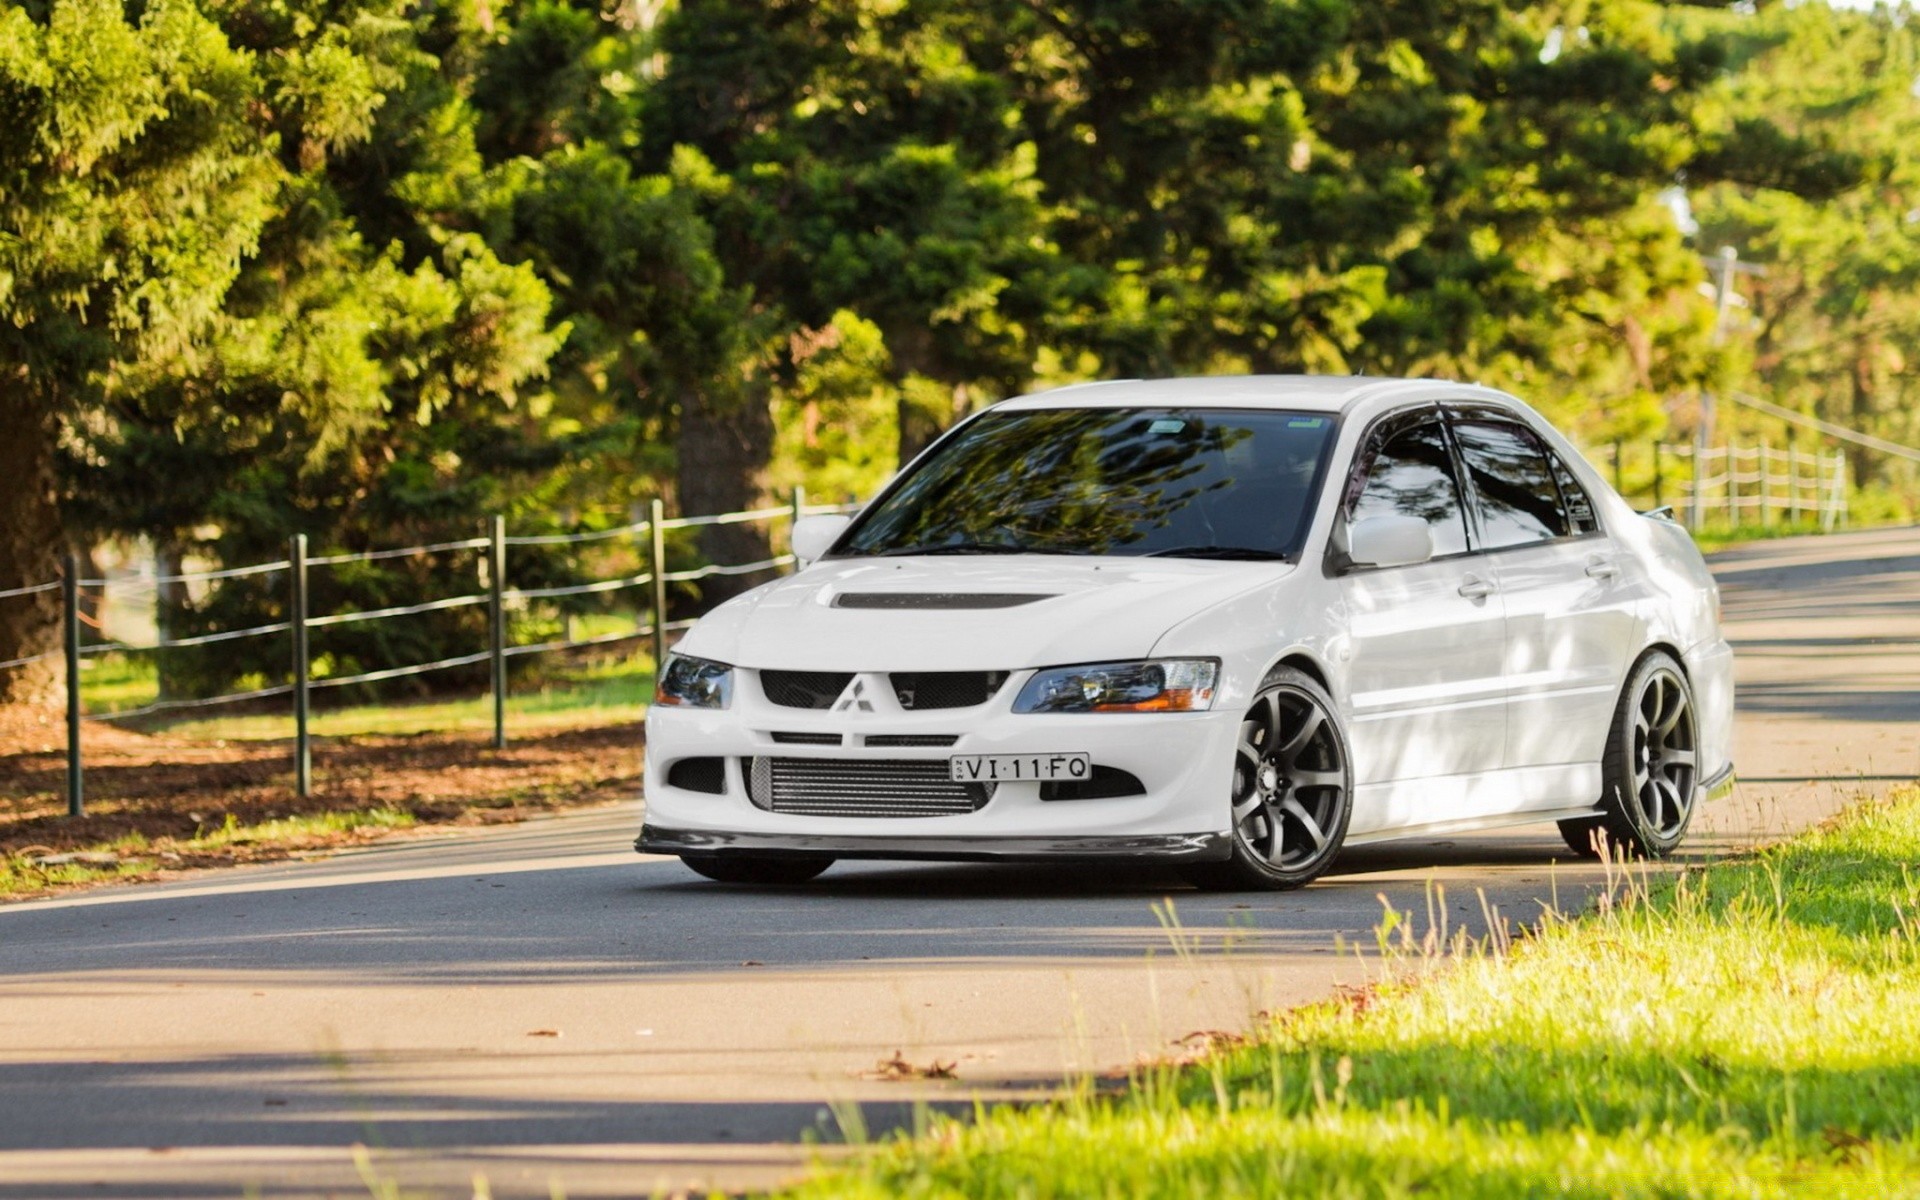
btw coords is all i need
(1579, 505)
(1411, 475)
(1515, 496)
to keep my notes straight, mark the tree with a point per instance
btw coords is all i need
(133, 184)
(1822, 191)
(361, 389)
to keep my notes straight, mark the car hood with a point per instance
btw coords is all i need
(930, 614)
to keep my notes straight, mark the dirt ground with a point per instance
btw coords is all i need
(167, 790)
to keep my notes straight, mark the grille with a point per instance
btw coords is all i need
(945, 689)
(699, 775)
(804, 689)
(948, 600)
(912, 739)
(806, 739)
(834, 787)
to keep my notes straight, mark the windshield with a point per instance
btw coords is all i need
(1202, 483)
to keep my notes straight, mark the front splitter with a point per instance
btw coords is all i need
(1196, 847)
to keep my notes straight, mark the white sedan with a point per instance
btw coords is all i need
(1231, 623)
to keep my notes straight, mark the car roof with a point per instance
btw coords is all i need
(1303, 393)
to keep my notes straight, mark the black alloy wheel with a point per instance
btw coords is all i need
(1650, 769)
(1292, 789)
(753, 868)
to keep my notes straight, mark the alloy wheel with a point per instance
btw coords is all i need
(1289, 780)
(1663, 758)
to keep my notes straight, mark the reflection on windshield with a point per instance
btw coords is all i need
(1207, 483)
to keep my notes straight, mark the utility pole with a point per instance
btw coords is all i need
(1723, 266)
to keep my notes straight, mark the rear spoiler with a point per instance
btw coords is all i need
(1663, 513)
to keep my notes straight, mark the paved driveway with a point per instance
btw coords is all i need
(537, 1004)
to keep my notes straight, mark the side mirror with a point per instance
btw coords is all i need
(814, 536)
(1389, 542)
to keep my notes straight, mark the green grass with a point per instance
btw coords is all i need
(139, 855)
(1749, 1030)
(1720, 537)
(564, 695)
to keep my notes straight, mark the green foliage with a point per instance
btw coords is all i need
(133, 184)
(1834, 323)
(372, 270)
(1750, 1029)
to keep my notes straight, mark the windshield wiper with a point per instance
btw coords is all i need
(1243, 553)
(958, 548)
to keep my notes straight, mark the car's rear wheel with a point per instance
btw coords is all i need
(751, 868)
(1650, 769)
(1292, 789)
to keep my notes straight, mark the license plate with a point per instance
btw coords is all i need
(1018, 768)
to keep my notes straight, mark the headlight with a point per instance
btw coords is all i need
(694, 683)
(1163, 685)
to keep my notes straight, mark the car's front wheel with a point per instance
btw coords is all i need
(750, 868)
(1650, 768)
(1292, 788)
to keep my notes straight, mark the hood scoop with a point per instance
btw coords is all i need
(937, 600)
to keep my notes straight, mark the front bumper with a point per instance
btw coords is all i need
(1183, 761)
(1199, 847)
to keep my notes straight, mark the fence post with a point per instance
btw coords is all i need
(1617, 477)
(297, 615)
(1836, 492)
(1766, 486)
(1793, 483)
(1733, 486)
(1697, 495)
(1658, 500)
(70, 631)
(657, 536)
(497, 625)
(799, 504)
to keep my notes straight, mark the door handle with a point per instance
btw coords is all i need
(1602, 568)
(1476, 588)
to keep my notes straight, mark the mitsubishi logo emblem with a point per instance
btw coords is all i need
(854, 699)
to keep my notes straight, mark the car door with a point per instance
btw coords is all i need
(1570, 616)
(1426, 643)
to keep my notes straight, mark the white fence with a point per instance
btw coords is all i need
(1763, 485)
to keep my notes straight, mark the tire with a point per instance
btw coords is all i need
(750, 868)
(1292, 791)
(1650, 768)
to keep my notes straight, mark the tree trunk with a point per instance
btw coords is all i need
(30, 542)
(912, 350)
(725, 443)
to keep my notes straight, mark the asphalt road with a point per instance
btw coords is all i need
(538, 1005)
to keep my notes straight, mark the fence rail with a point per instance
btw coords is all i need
(650, 533)
(1767, 483)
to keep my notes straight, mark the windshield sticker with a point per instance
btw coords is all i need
(1167, 425)
(1306, 422)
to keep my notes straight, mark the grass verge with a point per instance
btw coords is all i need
(135, 855)
(1748, 1029)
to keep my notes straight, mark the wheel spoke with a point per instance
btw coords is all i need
(1277, 848)
(1243, 809)
(1665, 788)
(1305, 818)
(1316, 779)
(1296, 745)
(1674, 715)
(1656, 811)
(1676, 758)
(1268, 716)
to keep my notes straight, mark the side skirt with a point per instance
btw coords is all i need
(1472, 824)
